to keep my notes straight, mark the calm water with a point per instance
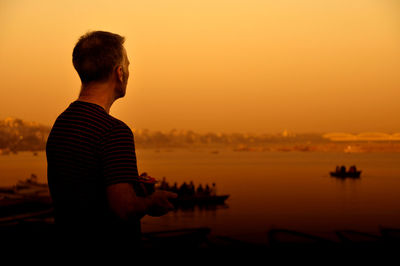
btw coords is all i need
(267, 190)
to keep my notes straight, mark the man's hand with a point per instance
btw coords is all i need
(159, 203)
(124, 202)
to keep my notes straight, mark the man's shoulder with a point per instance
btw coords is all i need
(84, 112)
(120, 124)
(119, 127)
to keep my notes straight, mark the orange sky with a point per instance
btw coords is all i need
(227, 66)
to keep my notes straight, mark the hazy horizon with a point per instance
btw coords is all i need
(333, 135)
(214, 66)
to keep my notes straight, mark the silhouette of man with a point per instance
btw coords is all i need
(92, 171)
(200, 190)
(343, 169)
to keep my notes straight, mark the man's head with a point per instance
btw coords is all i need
(100, 56)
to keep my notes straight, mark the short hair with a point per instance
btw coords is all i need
(96, 54)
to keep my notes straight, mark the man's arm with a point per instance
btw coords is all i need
(124, 202)
(118, 159)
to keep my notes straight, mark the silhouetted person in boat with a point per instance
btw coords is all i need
(207, 190)
(92, 171)
(337, 169)
(164, 184)
(183, 190)
(174, 188)
(343, 169)
(200, 190)
(191, 189)
(352, 169)
(213, 191)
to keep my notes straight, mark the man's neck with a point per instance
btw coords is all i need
(99, 95)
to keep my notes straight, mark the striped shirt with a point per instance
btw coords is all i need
(88, 150)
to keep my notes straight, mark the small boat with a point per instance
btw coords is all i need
(189, 197)
(199, 200)
(355, 174)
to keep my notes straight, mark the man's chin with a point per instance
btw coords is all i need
(121, 94)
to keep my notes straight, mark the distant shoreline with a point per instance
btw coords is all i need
(345, 147)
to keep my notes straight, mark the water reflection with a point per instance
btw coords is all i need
(287, 189)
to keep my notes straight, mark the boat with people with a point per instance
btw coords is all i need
(347, 174)
(188, 196)
(199, 200)
(341, 172)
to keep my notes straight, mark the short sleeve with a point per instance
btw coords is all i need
(118, 156)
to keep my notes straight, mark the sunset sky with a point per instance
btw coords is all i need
(259, 66)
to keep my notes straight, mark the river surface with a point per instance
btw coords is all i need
(291, 190)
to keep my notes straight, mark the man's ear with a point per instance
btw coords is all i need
(120, 73)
